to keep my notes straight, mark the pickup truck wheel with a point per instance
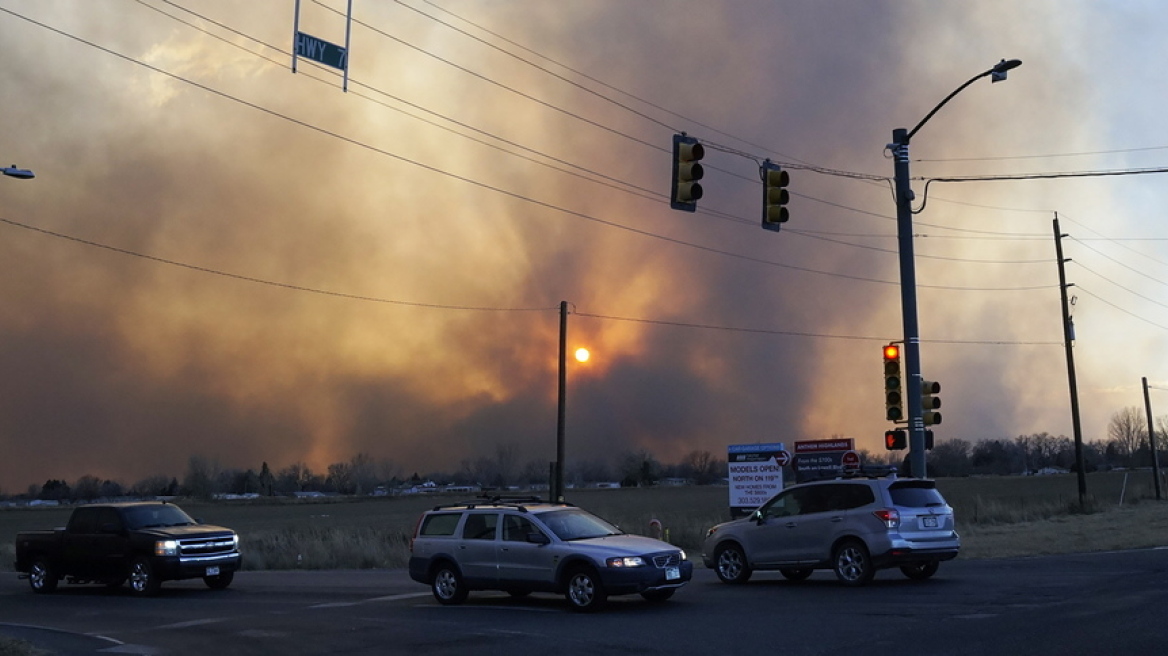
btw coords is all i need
(41, 576)
(219, 581)
(143, 581)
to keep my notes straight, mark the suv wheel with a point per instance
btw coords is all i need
(852, 564)
(920, 571)
(730, 564)
(447, 585)
(585, 592)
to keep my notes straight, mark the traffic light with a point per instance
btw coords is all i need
(895, 440)
(928, 440)
(686, 173)
(774, 195)
(929, 402)
(893, 395)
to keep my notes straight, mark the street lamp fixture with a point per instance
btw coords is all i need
(19, 173)
(908, 277)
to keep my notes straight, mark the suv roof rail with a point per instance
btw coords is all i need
(520, 502)
(865, 471)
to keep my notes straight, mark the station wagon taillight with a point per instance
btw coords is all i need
(889, 516)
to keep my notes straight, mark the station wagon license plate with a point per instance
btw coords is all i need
(672, 573)
(929, 522)
(213, 571)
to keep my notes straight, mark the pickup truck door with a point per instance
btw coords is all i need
(110, 545)
(94, 545)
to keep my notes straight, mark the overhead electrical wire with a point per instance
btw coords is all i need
(355, 142)
(576, 168)
(505, 192)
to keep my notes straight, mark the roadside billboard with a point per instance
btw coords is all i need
(755, 474)
(819, 458)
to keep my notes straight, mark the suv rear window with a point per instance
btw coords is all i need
(915, 494)
(439, 524)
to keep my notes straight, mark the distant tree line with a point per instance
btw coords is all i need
(1126, 446)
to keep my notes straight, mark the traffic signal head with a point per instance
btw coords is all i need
(930, 403)
(895, 440)
(686, 172)
(774, 195)
(928, 440)
(893, 395)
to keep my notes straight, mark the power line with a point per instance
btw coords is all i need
(575, 169)
(483, 185)
(270, 283)
(443, 306)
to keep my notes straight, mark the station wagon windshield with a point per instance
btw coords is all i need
(576, 524)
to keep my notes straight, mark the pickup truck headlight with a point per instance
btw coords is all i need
(235, 541)
(166, 548)
(626, 561)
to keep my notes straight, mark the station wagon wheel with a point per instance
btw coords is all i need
(143, 581)
(730, 564)
(920, 571)
(41, 576)
(852, 564)
(585, 592)
(799, 574)
(447, 585)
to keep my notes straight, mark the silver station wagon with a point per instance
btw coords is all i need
(525, 545)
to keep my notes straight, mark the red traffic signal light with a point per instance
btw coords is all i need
(893, 394)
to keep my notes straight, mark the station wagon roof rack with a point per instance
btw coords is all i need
(520, 502)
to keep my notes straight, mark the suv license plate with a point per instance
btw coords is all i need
(212, 571)
(672, 573)
(929, 522)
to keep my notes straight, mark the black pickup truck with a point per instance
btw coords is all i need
(143, 542)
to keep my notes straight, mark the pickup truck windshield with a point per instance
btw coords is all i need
(138, 517)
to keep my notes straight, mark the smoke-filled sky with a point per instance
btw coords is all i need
(221, 258)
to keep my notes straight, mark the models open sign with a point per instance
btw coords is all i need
(756, 474)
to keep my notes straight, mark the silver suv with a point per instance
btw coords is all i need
(525, 545)
(853, 526)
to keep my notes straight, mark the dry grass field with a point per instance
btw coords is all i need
(997, 517)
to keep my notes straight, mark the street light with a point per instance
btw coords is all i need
(14, 172)
(908, 276)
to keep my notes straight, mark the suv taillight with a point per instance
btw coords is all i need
(889, 516)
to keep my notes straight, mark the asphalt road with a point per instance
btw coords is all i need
(1109, 603)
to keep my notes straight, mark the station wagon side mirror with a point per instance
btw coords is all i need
(535, 537)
